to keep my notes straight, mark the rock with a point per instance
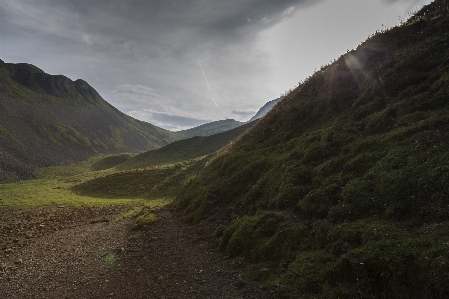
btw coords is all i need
(19, 261)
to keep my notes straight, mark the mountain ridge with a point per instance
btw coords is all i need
(52, 120)
(211, 128)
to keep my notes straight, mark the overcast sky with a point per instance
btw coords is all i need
(181, 63)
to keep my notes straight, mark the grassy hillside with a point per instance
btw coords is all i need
(182, 150)
(211, 128)
(149, 183)
(51, 120)
(342, 191)
(53, 187)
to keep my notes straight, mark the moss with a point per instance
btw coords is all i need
(133, 237)
(144, 219)
(116, 140)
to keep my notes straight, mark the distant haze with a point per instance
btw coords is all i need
(144, 57)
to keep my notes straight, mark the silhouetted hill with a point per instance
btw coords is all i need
(51, 120)
(265, 109)
(341, 191)
(185, 149)
(216, 127)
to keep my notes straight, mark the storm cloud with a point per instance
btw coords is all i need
(143, 55)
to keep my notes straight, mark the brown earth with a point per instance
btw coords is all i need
(68, 252)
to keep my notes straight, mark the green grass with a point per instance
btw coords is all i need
(140, 205)
(54, 187)
(58, 192)
(110, 161)
(144, 219)
(148, 183)
(183, 150)
(71, 170)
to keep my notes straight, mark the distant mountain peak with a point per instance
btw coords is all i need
(265, 109)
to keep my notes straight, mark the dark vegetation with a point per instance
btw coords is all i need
(157, 173)
(156, 182)
(185, 149)
(342, 190)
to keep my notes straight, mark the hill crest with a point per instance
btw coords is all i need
(335, 192)
(51, 120)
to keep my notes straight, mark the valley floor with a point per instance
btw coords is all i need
(82, 252)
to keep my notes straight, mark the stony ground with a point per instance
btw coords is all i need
(67, 252)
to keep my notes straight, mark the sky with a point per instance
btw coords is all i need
(182, 63)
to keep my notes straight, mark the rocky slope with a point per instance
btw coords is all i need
(69, 252)
(51, 120)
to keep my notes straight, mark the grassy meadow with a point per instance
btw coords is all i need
(56, 185)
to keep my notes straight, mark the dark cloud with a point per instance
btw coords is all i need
(151, 43)
(144, 55)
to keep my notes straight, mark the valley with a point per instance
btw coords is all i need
(340, 191)
(54, 242)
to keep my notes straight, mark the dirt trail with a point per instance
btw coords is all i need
(88, 255)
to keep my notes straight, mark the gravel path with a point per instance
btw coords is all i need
(91, 256)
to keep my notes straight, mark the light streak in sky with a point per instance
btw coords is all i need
(208, 84)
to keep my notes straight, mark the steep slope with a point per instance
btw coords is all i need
(265, 109)
(185, 149)
(211, 128)
(51, 120)
(342, 191)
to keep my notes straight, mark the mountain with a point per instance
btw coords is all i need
(341, 190)
(225, 125)
(211, 128)
(52, 120)
(185, 149)
(265, 109)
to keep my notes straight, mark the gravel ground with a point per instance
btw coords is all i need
(71, 252)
